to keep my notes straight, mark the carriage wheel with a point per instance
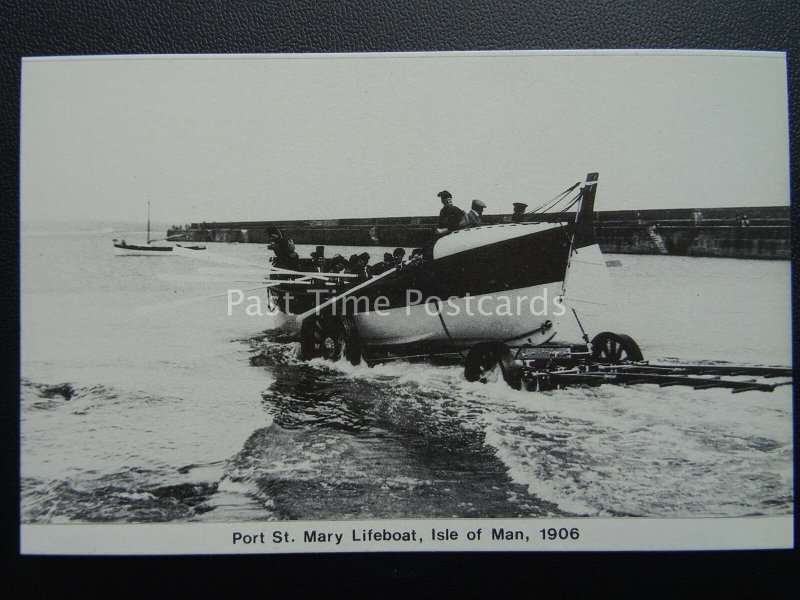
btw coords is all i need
(311, 335)
(613, 348)
(352, 343)
(489, 362)
(329, 337)
(332, 339)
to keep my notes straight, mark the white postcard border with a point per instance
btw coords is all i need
(411, 535)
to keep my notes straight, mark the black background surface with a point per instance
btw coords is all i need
(70, 27)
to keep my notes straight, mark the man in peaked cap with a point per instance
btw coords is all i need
(474, 215)
(451, 218)
(519, 212)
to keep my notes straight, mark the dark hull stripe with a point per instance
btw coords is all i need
(145, 248)
(515, 263)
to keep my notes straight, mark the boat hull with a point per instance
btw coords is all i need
(527, 315)
(134, 250)
(501, 283)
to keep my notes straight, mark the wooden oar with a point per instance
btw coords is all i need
(186, 278)
(302, 317)
(309, 273)
(211, 257)
(143, 310)
(230, 272)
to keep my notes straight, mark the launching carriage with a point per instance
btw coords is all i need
(493, 297)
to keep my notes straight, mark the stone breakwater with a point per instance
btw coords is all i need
(750, 232)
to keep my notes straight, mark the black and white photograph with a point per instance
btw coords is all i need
(501, 300)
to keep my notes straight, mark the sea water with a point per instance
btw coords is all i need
(144, 400)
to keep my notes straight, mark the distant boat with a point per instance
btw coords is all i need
(123, 248)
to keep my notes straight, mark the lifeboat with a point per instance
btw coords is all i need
(505, 285)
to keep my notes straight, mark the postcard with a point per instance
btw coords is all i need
(507, 301)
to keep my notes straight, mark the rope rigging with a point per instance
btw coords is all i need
(549, 204)
(572, 203)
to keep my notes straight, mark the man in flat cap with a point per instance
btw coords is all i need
(475, 213)
(451, 218)
(519, 212)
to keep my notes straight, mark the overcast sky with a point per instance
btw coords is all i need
(301, 136)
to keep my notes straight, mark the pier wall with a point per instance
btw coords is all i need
(751, 232)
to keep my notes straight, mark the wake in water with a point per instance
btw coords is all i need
(405, 440)
(413, 440)
(354, 442)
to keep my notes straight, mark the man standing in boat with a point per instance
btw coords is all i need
(451, 218)
(519, 212)
(475, 214)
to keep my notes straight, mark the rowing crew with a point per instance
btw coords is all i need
(358, 264)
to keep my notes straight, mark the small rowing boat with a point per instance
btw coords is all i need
(123, 248)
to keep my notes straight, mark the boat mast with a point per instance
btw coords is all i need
(148, 221)
(583, 231)
(583, 234)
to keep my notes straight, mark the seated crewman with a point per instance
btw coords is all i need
(398, 255)
(364, 258)
(382, 267)
(338, 264)
(359, 266)
(417, 256)
(317, 262)
(285, 256)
